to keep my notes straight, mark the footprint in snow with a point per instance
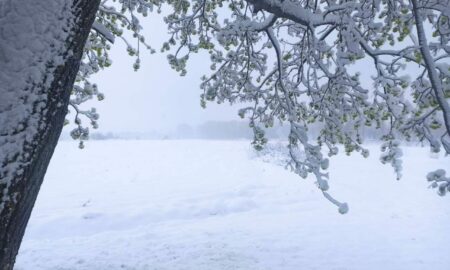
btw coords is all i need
(91, 215)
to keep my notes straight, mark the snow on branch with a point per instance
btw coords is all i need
(347, 69)
(344, 68)
(102, 30)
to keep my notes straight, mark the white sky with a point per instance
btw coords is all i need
(155, 98)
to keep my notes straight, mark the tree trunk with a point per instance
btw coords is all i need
(45, 38)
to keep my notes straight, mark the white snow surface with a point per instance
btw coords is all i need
(213, 205)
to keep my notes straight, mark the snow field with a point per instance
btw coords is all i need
(194, 205)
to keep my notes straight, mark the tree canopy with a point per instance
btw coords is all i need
(344, 66)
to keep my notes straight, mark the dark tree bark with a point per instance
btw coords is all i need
(25, 185)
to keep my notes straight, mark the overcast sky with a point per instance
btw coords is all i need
(155, 98)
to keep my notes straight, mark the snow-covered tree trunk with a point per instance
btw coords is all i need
(41, 44)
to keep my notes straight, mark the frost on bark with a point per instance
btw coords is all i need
(41, 44)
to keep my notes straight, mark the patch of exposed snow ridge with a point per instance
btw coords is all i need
(33, 35)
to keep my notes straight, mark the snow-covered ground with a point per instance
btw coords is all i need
(215, 205)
